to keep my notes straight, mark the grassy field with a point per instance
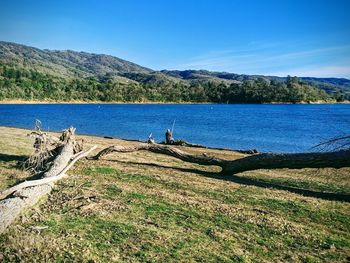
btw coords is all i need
(147, 207)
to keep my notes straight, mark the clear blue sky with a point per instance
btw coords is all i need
(304, 38)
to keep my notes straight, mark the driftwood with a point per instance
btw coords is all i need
(194, 145)
(259, 161)
(46, 180)
(181, 142)
(26, 194)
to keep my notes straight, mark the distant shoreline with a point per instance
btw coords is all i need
(150, 102)
(93, 102)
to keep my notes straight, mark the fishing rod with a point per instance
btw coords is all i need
(172, 129)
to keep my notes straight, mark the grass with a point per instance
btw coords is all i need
(153, 208)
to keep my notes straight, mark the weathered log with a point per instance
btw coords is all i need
(10, 208)
(194, 145)
(46, 180)
(259, 161)
(28, 193)
(336, 159)
(163, 149)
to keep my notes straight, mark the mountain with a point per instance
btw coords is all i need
(67, 66)
(68, 62)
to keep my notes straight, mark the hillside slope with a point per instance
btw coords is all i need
(29, 64)
(66, 63)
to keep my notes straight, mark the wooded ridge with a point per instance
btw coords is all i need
(28, 73)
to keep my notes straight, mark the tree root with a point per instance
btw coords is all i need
(46, 180)
(28, 193)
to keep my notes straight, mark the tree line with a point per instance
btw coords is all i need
(29, 84)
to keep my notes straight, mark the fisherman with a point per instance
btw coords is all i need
(168, 137)
(151, 139)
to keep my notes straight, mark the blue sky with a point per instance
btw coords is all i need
(304, 38)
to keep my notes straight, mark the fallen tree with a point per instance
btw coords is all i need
(336, 159)
(194, 145)
(57, 155)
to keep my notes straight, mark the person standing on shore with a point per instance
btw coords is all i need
(168, 137)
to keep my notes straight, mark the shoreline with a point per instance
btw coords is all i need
(94, 102)
(125, 193)
(107, 137)
(24, 102)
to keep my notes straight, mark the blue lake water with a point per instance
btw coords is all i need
(278, 128)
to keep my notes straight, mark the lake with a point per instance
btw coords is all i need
(277, 128)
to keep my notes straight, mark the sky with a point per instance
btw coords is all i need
(281, 37)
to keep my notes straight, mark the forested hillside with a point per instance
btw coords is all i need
(28, 73)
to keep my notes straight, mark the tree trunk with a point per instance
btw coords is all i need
(259, 161)
(28, 193)
(163, 149)
(289, 160)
